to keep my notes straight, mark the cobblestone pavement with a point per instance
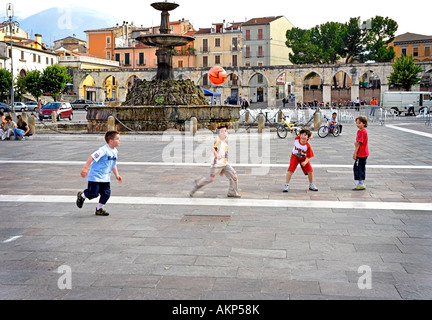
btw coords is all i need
(158, 243)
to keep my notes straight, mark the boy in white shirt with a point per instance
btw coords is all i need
(220, 166)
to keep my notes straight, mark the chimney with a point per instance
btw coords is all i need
(38, 39)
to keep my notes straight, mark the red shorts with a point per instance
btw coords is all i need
(295, 161)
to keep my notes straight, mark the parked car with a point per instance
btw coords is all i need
(64, 111)
(4, 107)
(20, 106)
(231, 100)
(31, 105)
(99, 104)
(81, 104)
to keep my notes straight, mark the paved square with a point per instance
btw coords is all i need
(159, 243)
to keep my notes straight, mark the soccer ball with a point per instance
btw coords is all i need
(217, 75)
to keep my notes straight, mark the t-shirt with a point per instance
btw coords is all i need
(302, 150)
(362, 137)
(104, 161)
(23, 126)
(221, 148)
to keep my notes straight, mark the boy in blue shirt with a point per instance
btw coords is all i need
(98, 170)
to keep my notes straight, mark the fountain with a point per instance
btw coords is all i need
(163, 103)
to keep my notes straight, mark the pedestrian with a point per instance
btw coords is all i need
(98, 169)
(22, 129)
(301, 154)
(361, 153)
(2, 123)
(220, 166)
(374, 103)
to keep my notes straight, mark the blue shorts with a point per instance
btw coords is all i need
(98, 188)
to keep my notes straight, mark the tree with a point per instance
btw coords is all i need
(354, 38)
(54, 80)
(33, 83)
(378, 38)
(5, 84)
(405, 73)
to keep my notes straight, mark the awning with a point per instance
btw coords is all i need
(209, 93)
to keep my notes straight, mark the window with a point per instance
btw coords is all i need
(217, 42)
(108, 55)
(22, 55)
(260, 34)
(108, 42)
(117, 57)
(141, 60)
(217, 59)
(205, 45)
(427, 51)
(260, 51)
(127, 59)
(404, 51)
(234, 61)
(205, 61)
(180, 63)
(248, 35)
(248, 55)
(415, 52)
(260, 78)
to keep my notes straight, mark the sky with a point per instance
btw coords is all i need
(302, 14)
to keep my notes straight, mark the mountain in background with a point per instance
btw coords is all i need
(58, 23)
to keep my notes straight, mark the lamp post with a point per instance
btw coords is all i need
(10, 15)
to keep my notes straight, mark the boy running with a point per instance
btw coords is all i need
(220, 166)
(98, 170)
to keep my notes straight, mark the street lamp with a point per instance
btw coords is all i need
(10, 15)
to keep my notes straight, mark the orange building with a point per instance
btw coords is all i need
(119, 44)
(417, 45)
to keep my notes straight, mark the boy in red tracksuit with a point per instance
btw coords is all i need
(302, 153)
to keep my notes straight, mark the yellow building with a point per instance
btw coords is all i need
(417, 45)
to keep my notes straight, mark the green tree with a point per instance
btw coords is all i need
(33, 83)
(354, 40)
(54, 80)
(405, 73)
(5, 84)
(378, 38)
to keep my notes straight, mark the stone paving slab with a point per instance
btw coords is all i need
(165, 251)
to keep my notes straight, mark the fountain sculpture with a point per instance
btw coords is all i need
(163, 103)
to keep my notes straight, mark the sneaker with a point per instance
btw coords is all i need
(360, 187)
(286, 188)
(80, 200)
(312, 187)
(234, 196)
(195, 189)
(101, 212)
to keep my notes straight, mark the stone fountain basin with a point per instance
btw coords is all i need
(164, 6)
(161, 118)
(165, 40)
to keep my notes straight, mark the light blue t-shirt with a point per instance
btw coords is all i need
(104, 161)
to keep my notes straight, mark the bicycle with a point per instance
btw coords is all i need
(285, 127)
(325, 130)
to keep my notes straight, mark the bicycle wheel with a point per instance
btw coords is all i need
(282, 131)
(336, 132)
(323, 131)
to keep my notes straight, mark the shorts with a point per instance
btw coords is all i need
(295, 161)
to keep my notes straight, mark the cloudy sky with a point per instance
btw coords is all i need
(303, 14)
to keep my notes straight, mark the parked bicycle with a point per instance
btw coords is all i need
(327, 129)
(287, 126)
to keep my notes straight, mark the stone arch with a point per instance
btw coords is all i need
(369, 86)
(234, 83)
(341, 83)
(87, 88)
(130, 81)
(111, 87)
(312, 88)
(284, 84)
(426, 81)
(258, 87)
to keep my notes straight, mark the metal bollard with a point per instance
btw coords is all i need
(111, 124)
(247, 116)
(317, 119)
(54, 117)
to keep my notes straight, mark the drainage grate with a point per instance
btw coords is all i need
(197, 219)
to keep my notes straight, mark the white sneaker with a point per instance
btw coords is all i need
(286, 188)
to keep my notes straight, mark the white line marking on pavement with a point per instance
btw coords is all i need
(12, 239)
(239, 165)
(424, 134)
(231, 202)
